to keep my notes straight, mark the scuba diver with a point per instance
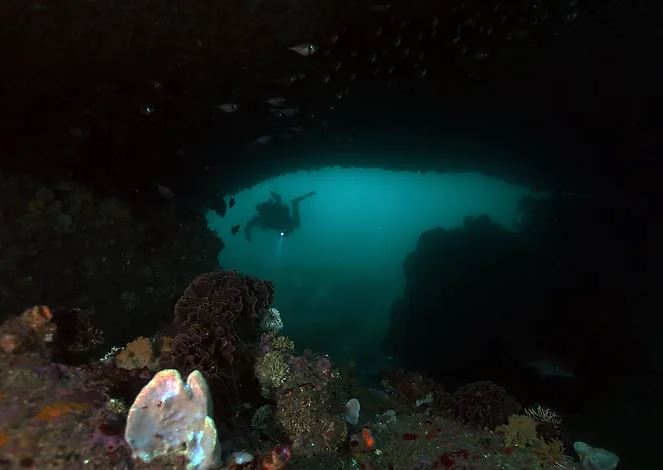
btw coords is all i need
(274, 215)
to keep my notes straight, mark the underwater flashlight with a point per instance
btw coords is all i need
(282, 234)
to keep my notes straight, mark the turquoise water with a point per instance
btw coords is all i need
(338, 274)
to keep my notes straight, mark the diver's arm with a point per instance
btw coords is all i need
(247, 228)
(276, 197)
(298, 199)
(294, 221)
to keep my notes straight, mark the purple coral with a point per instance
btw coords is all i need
(217, 320)
(483, 404)
(310, 369)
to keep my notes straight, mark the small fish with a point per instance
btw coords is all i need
(287, 80)
(373, 58)
(419, 37)
(296, 129)
(423, 72)
(480, 55)
(398, 41)
(235, 229)
(380, 8)
(275, 101)
(353, 53)
(231, 202)
(326, 78)
(290, 112)
(352, 76)
(547, 369)
(301, 75)
(339, 95)
(334, 39)
(305, 49)
(436, 21)
(276, 112)
(337, 66)
(265, 139)
(165, 192)
(229, 107)
(378, 32)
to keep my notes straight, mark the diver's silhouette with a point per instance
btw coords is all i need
(274, 215)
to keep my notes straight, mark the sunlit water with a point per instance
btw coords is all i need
(338, 274)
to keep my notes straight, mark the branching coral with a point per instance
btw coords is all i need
(483, 404)
(272, 371)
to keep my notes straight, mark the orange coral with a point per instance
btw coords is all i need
(3, 438)
(59, 408)
(136, 354)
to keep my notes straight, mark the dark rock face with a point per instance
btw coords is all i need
(548, 312)
(66, 245)
(467, 292)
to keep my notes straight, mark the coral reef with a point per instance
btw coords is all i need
(67, 415)
(483, 404)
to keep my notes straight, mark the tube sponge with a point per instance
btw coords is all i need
(168, 412)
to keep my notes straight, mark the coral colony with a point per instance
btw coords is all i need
(274, 407)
